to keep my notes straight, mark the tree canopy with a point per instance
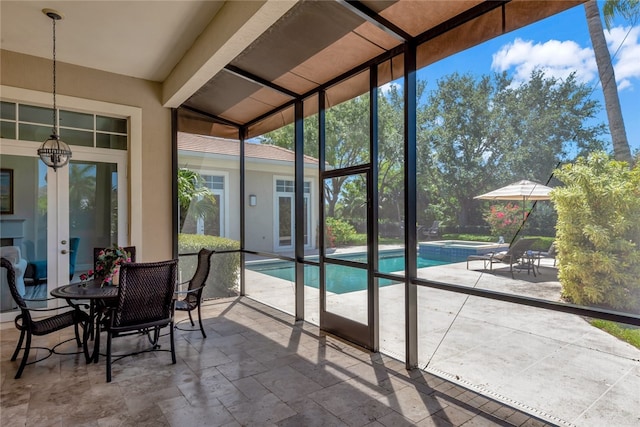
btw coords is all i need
(479, 133)
(474, 133)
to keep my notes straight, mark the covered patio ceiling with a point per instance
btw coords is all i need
(235, 63)
(318, 43)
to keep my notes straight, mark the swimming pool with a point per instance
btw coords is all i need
(341, 279)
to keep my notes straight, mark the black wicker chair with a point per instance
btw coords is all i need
(193, 295)
(145, 303)
(42, 326)
(96, 253)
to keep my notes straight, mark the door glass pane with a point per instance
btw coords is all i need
(346, 217)
(93, 211)
(285, 231)
(213, 222)
(347, 293)
(24, 233)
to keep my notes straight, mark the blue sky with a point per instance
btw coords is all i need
(559, 45)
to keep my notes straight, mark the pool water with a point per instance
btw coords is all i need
(341, 279)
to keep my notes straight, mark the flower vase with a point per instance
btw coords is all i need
(115, 277)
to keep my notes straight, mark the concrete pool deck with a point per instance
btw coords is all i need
(553, 365)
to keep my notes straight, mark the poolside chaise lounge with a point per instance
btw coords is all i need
(511, 256)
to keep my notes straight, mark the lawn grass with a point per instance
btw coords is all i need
(626, 333)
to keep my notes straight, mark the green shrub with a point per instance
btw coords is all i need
(469, 237)
(598, 232)
(225, 268)
(338, 232)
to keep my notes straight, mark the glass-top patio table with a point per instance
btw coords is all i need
(98, 297)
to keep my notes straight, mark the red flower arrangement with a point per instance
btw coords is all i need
(108, 265)
(505, 220)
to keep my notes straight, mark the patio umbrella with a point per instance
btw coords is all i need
(522, 190)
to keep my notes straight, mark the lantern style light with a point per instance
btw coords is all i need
(54, 152)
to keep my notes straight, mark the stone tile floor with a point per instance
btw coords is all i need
(257, 367)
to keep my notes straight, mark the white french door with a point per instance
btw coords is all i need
(87, 208)
(94, 201)
(285, 226)
(63, 214)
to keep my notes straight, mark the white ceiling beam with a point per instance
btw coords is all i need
(232, 30)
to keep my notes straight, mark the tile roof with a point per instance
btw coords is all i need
(228, 147)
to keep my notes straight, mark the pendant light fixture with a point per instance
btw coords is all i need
(54, 152)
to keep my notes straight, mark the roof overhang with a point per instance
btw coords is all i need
(318, 43)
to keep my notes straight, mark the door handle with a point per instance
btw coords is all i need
(64, 251)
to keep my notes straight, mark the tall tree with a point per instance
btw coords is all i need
(607, 76)
(482, 132)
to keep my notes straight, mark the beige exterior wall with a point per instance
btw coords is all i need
(260, 181)
(28, 72)
(260, 219)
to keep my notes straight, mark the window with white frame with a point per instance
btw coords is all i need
(285, 207)
(27, 122)
(214, 223)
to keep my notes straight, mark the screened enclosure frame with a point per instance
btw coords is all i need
(410, 280)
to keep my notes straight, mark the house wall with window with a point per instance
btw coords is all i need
(269, 176)
(150, 169)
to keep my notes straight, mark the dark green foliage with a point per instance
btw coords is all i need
(225, 268)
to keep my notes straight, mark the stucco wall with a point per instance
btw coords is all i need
(34, 73)
(260, 221)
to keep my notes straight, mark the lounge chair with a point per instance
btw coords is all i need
(512, 256)
(550, 253)
(430, 232)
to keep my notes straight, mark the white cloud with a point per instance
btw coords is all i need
(624, 45)
(555, 58)
(386, 88)
(560, 58)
